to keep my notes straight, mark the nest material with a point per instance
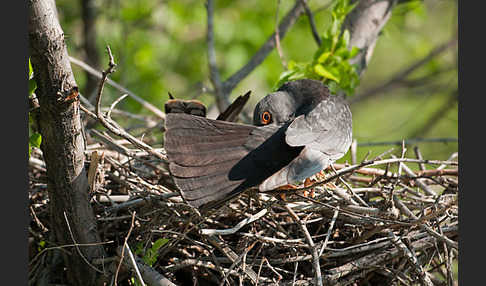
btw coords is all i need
(374, 223)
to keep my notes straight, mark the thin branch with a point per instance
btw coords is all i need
(222, 99)
(410, 141)
(111, 125)
(99, 75)
(108, 114)
(400, 76)
(312, 23)
(122, 255)
(289, 19)
(371, 163)
(437, 115)
(277, 39)
(77, 246)
(237, 227)
(412, 259)
(134, 263)
(399, 204)
(329, 230)
(312, 246)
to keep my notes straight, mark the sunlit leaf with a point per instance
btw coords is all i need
(32, 86)
(321, 70)
(322, 58)
(35, 140)
(354, 51)
(31, 70)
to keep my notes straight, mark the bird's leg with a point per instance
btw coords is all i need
(285, 188)
(320, 176)
(308, 182)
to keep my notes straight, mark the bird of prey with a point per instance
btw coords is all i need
(298, 131)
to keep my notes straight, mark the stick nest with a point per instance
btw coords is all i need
(372, 223)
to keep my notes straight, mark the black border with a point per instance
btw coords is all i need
(15, 209)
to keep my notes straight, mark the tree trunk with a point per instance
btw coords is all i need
(365, 23)
(62, 143)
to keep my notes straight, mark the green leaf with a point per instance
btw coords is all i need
(159, 243)
(320, 70)
(284, 77)
(35, 140)
(291, 65)
(32, 86)
(322, 58)
(151, 256)
(31, 70)
(354, 51)
(345, 38)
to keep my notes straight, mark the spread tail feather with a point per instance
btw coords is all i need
(202, 153)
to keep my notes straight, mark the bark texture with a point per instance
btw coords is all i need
(62, 143)
(365, 23)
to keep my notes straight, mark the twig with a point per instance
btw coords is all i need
(312, 246)
(420, 183)
(406, 72)
(372, 163)
(399, 204)
(411, 258)
(122, 255)
(329, 230)
(236, 262)
(312, 23)
(111, 125)
(277, 39)
(236, 227)
(150, 276)
(108, 114)
(419, 156)
(77, 246)
(232, 256)
(410, 141)
(222, 98)
(134, 263)
(273, 269)
(288, 20)
(371, 260)
(350, 189)
(99, 75)
(452, 157)
(354, 151)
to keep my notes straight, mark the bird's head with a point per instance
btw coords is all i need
(289, 101)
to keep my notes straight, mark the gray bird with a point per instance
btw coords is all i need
(298, 131)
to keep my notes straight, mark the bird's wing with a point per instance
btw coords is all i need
(212, 161)
(326, 128)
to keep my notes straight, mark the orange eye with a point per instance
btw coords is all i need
(266, 117)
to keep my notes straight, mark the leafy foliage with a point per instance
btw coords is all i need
(150, 256)
(35, 138)
(330, 63)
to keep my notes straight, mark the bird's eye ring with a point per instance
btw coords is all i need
(266, 117)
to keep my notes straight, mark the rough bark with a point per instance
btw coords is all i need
(62, 143)
(365, 23)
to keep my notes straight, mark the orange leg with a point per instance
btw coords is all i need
(308, 182)
(284, 188)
